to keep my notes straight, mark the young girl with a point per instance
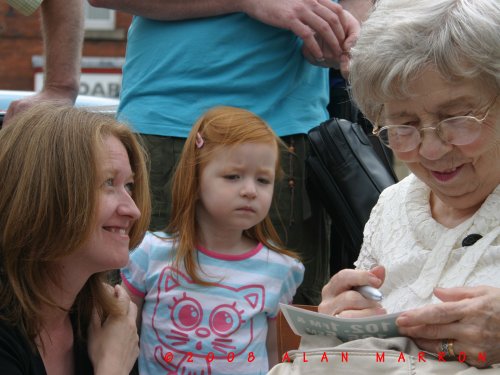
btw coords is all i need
(209, 293)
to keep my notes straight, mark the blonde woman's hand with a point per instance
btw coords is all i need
(114, 345)
(339, 298)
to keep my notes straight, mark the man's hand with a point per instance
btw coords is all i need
(322, 24)
(330, 60)
(59, 95)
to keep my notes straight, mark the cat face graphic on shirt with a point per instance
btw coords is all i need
(199, 320)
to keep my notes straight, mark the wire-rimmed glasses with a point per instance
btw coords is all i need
(458, 131)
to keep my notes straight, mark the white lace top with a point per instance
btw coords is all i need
(420, 254)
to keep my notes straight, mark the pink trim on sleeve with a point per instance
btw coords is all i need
(131, 288)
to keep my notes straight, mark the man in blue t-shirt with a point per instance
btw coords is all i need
(267, 56)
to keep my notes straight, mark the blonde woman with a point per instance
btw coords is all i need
(74, 199)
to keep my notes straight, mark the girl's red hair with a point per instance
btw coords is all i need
(219, 127)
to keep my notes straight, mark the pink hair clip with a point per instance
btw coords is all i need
(199, 141)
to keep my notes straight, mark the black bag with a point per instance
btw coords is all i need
(347, 175)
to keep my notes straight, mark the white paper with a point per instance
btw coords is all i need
(346, 329)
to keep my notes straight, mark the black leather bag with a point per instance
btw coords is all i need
(347, 174)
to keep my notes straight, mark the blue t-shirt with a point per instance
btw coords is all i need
(176, 70)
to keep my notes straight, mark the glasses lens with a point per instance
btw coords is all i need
(460, 130)
(400, 137)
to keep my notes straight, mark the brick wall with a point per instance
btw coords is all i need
(20, 39)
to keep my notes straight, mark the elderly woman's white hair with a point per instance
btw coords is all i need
(401, 38)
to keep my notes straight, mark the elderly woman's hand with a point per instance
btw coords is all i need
(338, 298)
(470, 316)
(114, 346)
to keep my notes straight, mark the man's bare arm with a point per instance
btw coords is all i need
(319, 23)
(62, 31)
(62, 24)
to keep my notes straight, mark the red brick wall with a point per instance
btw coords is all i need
(20, 39)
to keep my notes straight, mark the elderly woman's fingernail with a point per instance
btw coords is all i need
(402, 321)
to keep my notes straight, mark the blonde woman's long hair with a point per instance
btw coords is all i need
(49, 163)
(219, 127)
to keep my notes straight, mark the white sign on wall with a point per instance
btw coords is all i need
(94, 84)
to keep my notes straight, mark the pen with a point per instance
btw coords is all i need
(369, 292)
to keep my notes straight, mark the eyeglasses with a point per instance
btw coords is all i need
(458, 131)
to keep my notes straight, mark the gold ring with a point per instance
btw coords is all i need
(447, 348)
(450, 348)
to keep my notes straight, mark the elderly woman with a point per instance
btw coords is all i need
(427, 74)
(74, 199)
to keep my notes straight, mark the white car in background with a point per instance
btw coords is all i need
(93, 103)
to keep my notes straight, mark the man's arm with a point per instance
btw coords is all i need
(62, 31)
(172, 10)
(319, 23)
(63, 39)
